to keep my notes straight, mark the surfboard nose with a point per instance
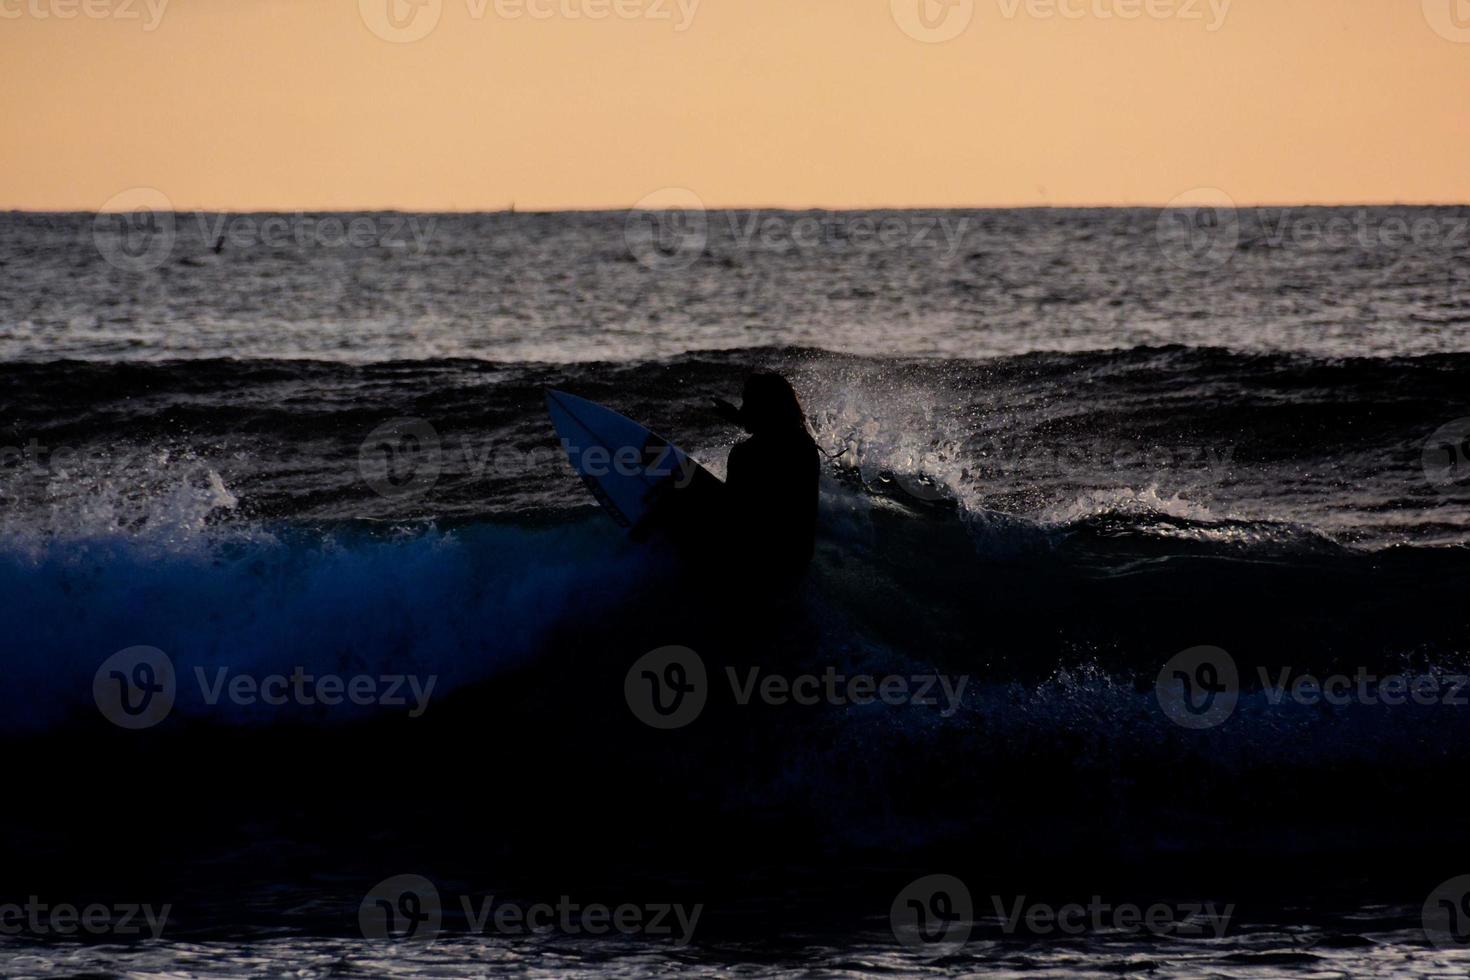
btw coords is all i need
(573, 405)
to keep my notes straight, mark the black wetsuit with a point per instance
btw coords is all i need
(772, 485)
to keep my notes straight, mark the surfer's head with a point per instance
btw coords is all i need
(769, 404)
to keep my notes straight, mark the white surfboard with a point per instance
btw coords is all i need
(629, 469)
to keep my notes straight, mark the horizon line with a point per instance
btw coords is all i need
(599, 209)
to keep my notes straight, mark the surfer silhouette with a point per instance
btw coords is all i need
(771, 483)
(752, 535)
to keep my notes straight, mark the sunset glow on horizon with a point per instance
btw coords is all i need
(553, 104)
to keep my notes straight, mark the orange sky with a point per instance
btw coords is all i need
(285, 104)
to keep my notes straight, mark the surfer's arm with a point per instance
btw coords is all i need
(728, 412)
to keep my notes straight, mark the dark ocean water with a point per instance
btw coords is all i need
(1067, 449)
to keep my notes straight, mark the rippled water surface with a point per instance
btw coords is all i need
(1064, 449)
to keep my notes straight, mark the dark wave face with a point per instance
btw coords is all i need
(1179, 552)
(1244, 448)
